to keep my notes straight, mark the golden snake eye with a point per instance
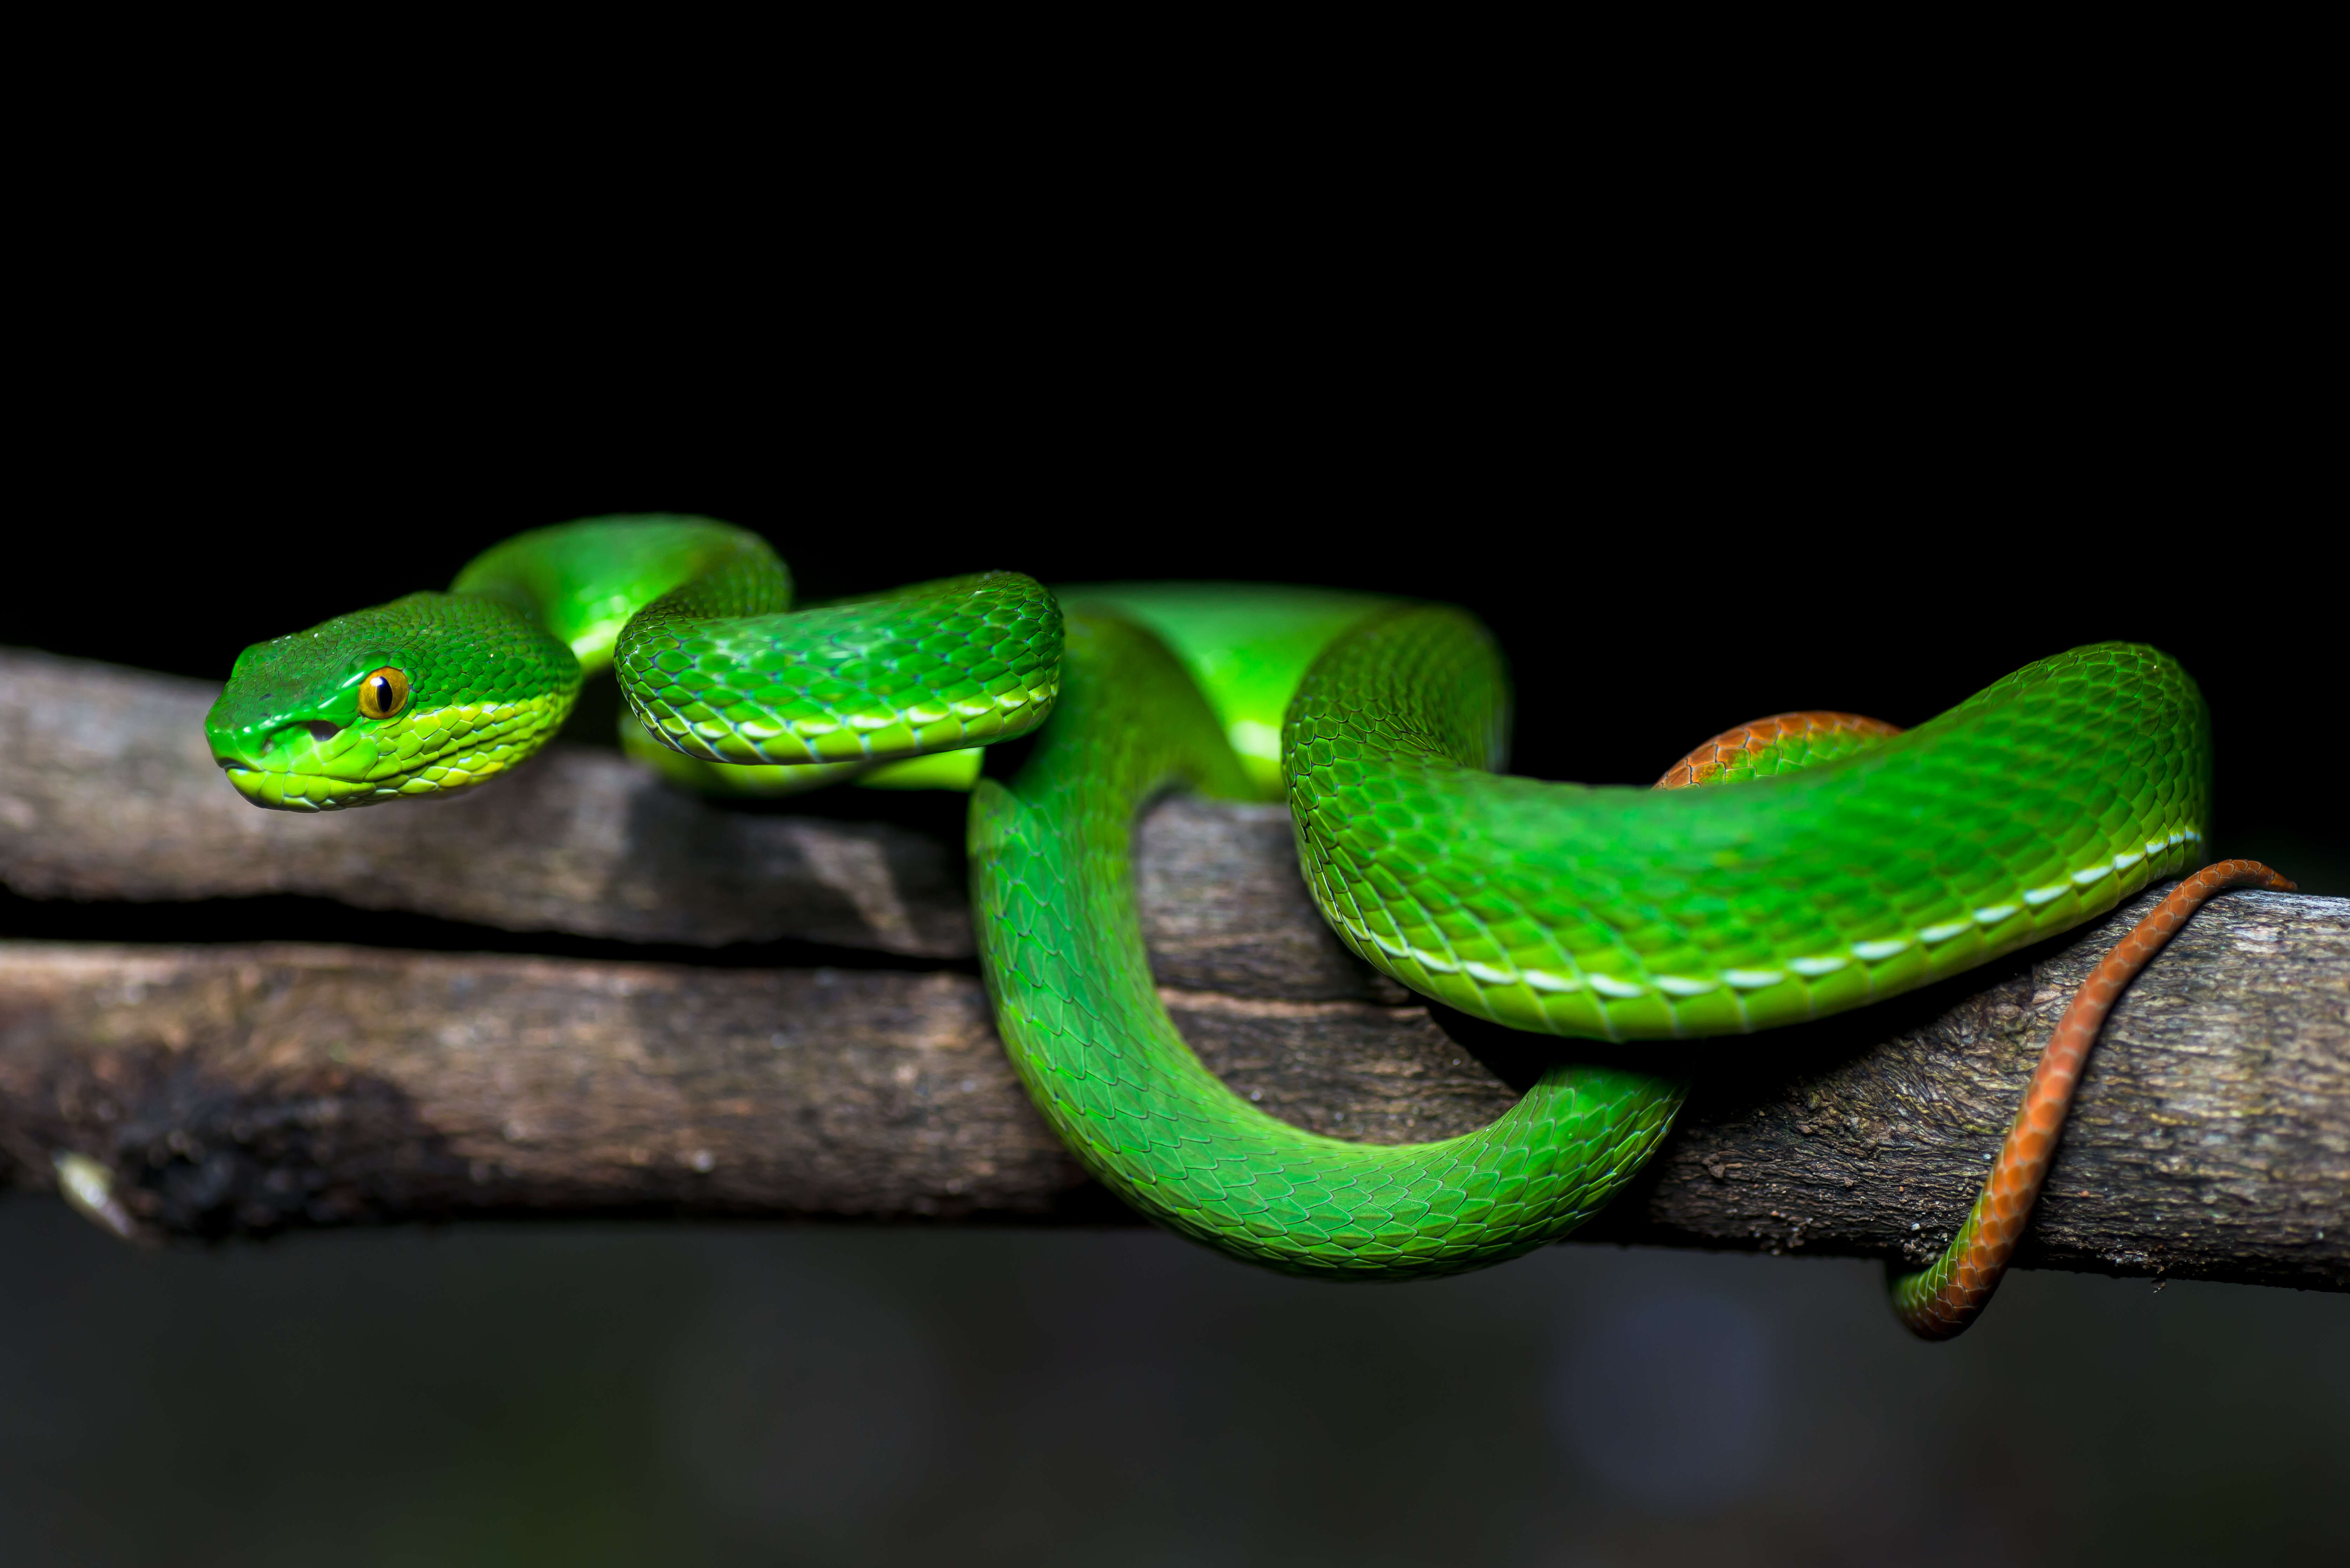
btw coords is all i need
(383, 693)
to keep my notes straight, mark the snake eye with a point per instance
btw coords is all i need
(383, 693)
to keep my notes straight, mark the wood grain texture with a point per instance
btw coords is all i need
(243, 1088)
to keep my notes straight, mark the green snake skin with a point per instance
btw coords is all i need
(1829, 873)
(1634, 914)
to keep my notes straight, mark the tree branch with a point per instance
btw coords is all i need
(109, 790)
(230, 1088)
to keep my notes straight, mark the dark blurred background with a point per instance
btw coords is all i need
(1687, 484)
(680, 1394)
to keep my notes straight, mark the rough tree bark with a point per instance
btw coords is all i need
(249, 1087)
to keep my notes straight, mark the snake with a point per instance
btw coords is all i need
(1794, 868)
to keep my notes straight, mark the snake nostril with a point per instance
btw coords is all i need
(321, 730)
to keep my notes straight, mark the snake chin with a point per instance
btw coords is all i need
(275, 790)
(300, 764)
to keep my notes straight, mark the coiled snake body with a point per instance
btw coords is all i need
(1843, 862)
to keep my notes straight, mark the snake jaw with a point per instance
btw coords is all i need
(299, 759)
(435, 752)
(266, 789)
(306, 765)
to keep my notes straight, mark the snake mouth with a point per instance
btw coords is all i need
(309, 789)
(277, 790)
(298, 765)
(266, 789)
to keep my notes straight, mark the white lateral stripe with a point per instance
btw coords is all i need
(1993, 914)
(2035, 896)
(1871, 953)
(1487, 974)
(1751, 979)
(1944, 932)
(1608, 985)
(2124, 862)
(1543, 979)
(2089, 875)
(1828, 964)
(1681, 985)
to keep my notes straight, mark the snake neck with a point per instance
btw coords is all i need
(584, 581)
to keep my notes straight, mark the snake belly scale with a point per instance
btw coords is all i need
(1813, 866)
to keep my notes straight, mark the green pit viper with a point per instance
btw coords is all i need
(1838, 861)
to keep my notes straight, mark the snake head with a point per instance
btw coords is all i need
(426, 695)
